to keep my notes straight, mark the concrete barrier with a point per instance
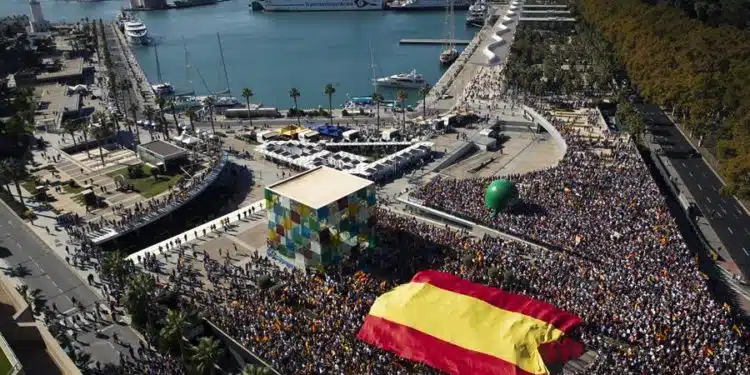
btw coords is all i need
(543, 122)
(466, 223)
(499, 30)
(454, 155)
(238, 349)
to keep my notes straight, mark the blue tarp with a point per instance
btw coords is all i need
(327, 129)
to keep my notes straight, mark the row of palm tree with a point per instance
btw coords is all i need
(17, 129)
(329, 90)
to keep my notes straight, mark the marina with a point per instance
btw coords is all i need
(262, 49)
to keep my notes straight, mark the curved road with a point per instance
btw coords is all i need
(728, 219)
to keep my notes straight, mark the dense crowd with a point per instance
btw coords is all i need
(614, 257)
(128, 217)
(626, 269)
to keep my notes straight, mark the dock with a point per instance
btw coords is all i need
(458, 42)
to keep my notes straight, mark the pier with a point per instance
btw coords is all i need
(458, 42)
(446, 92)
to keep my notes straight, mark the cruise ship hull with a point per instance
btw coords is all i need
(400, 85)
(427, 5)
(316, 5)
(137, 39)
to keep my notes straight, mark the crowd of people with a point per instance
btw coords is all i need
(610, 252)
(128, 217)
(624, 267)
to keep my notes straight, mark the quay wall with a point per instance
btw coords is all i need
(497, 31)
(137, 76)
(446, 80)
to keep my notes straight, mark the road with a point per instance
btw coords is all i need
(59, 285)
(728, 219)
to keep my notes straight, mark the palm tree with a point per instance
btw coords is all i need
(247, 93)
(71, 127)
(192, 116)
(161, 103)
(377, 98)
(401, 95)
(256, 370)
(175, 325)
(139, 297)
(205, 355)
(100, 129)
(209, 102)
(423, 92)
(134, 111)
(330, 90)
(115, 267)
(14, 169)
(33, 298)
(295, 94)
(149, 113)
(125, 85)
(173, 108)
(81, 359)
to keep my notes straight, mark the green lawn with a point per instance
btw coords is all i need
(72, 190)
(78, 198)
(4, 364)
(146, 185)
(29, 185)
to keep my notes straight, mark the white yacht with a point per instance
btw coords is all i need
(411, 80)
(315, 5)
(135, 31)
(477, 14)
(427, 4)
(163, 89)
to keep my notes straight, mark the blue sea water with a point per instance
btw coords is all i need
(273, 52)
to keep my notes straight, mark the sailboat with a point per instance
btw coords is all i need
(223, 98)
(160, 88)
(450, 53)
(187, 72)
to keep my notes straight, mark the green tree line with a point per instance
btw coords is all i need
(714, 12)
(702, 72)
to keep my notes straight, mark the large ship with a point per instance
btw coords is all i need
(477, 14)
(426, 4)
(133, 28)
(193, 3)
(315, 5)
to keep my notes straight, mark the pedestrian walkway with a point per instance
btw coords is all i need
(199, 231)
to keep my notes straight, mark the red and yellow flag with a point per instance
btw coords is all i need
(465, 328)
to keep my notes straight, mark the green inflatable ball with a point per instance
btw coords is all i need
(499, 195)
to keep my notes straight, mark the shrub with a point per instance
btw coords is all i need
(220, 134)
(292, 112)
(72, 183)
(28, 214)
(265, 282)
(493, 272)
(136, 171)
(344, 113)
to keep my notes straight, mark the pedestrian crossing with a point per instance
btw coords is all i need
(75, 321)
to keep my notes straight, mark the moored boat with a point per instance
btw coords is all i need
(411, 80)
(315, 5)
(404, 5)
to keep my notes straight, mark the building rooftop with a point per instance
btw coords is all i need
(27, 344)
(320, 186)
(163, 149)
(70, 68)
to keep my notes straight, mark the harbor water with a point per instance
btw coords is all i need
(273, 52)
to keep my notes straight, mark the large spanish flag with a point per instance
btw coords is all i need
(465, 328)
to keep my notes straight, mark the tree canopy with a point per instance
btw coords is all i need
(701, 71)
